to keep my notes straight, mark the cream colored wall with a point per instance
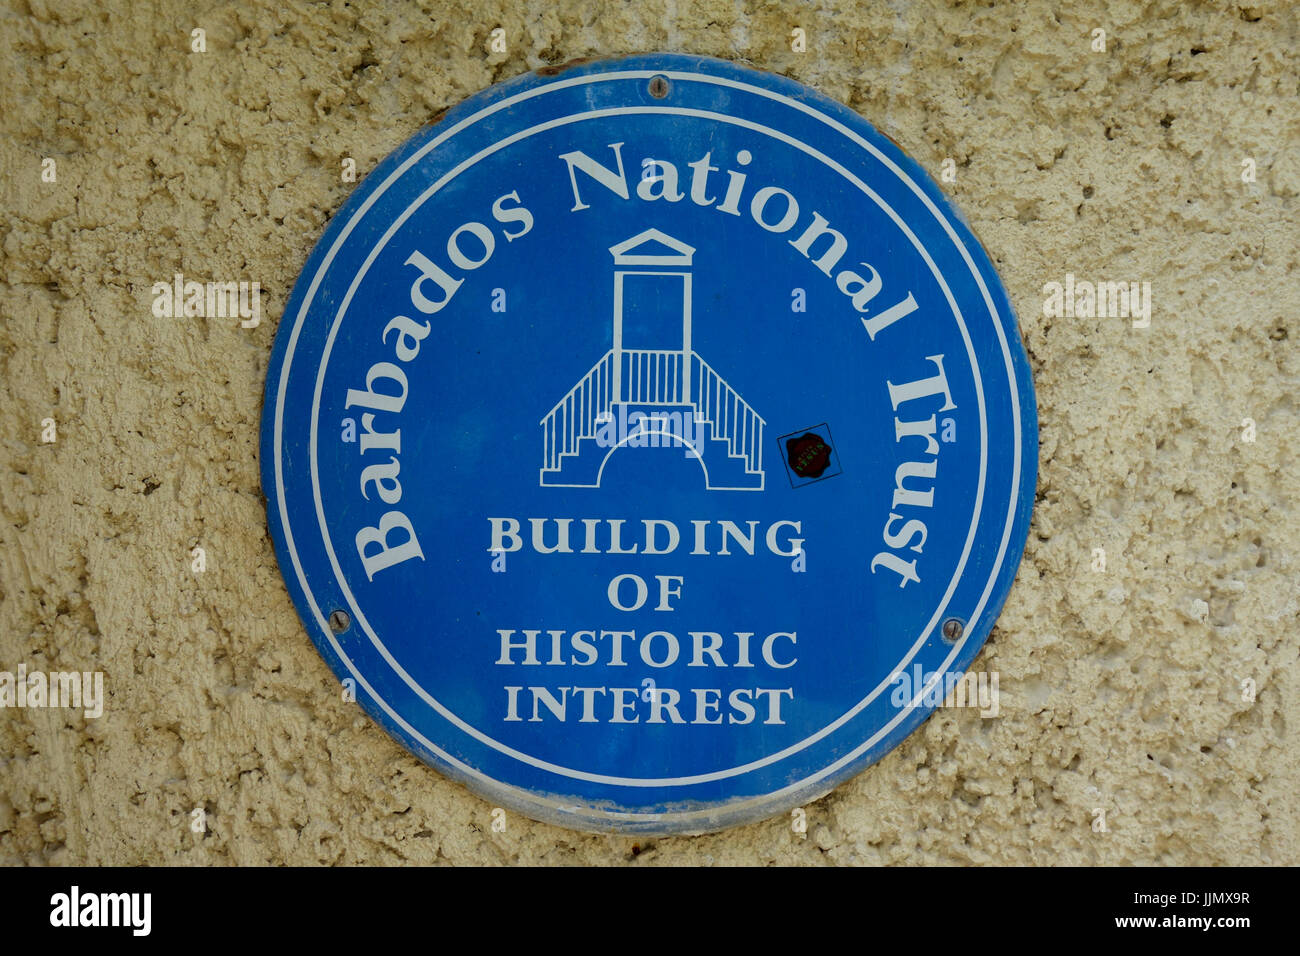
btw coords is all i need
(1120, 690)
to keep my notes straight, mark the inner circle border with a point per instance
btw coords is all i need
(358, 614)
(557, 809)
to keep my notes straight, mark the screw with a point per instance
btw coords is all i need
(339, 621)
(952, 629)
(659, 87)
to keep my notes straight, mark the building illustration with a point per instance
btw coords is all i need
(651, 388)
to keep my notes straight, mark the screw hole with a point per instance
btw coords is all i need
(953, 630)
(339, 621)
(659, 87)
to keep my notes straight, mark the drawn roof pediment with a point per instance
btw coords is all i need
(652, 248)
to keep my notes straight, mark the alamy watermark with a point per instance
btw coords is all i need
(650, 430)
(212, 300)
(971, 689)
(75, 689)
(128, 910)
(1101, 300)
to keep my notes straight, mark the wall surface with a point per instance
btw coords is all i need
(1121, 690)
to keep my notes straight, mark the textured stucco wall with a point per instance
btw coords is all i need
(1120, 690)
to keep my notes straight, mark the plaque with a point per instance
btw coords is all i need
(649, 445)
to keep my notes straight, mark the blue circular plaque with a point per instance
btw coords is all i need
(649, 445)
